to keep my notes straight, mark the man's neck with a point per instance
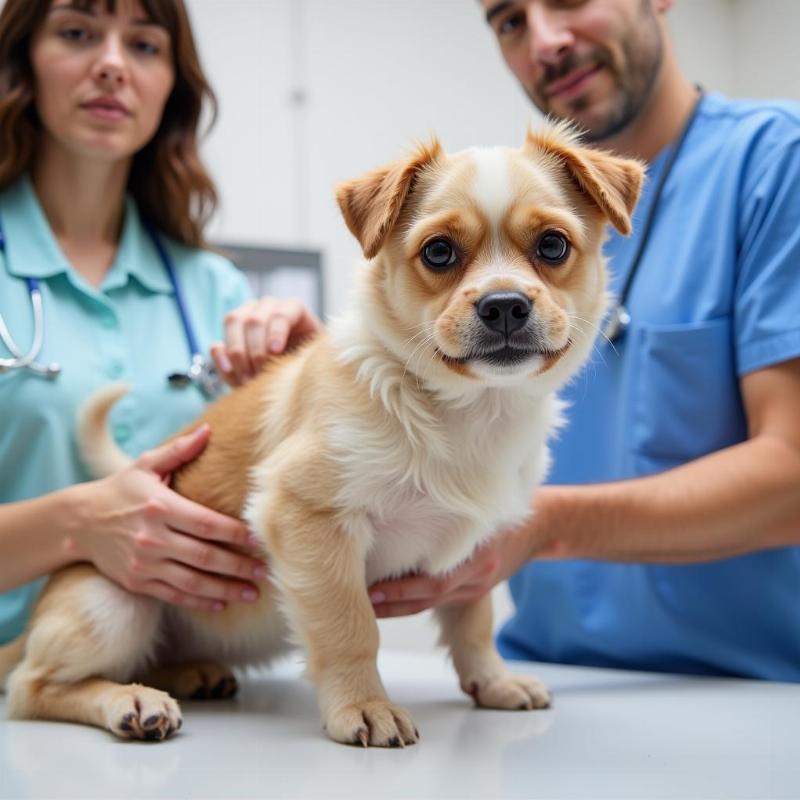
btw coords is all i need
(83, 199)
(662, 119)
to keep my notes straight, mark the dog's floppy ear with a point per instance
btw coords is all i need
(611, 182)
(371, 204)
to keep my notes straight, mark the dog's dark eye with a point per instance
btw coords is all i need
(439, 254)
(552, 248)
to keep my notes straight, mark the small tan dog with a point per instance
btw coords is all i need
(398, 441)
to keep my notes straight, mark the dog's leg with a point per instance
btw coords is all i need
(467, 632)
(202, 680)
(130, 711)
(320, 571)
(85, 631)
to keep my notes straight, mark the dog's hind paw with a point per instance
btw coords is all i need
(377, 723)
(207, 682)
(139, 712)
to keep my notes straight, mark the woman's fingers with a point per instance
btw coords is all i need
(209, 557)
(279, 330)
(290, 323)
(256, 334)
(236, 346)
(258, 330)
(168, 593)
(223, 364)
(194, 582)
(175, 453)
(186, 516)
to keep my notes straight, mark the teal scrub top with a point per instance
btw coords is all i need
(716, 296)
(128, 330)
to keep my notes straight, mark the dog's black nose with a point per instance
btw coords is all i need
(504, 312)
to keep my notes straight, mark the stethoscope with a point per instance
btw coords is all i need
(201, 372)
(619, 317)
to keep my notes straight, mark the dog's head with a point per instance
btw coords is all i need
(485, 266)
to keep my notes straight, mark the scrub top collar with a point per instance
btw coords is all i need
(33, 252)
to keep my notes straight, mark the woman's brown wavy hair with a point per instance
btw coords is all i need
(167, 179)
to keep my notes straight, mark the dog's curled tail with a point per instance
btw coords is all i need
(98, 449)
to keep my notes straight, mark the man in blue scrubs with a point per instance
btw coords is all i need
(668, 536)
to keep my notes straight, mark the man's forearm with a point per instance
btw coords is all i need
(739, 500)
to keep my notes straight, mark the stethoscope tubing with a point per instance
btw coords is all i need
(26, 360)
(619, 317)
(200, 372)
(166, 260)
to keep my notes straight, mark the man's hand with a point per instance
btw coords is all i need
(257, 330)
(491, 563)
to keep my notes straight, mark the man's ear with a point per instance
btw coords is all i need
(612, 183)
(372, 203)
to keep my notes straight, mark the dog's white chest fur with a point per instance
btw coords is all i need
(428, 495)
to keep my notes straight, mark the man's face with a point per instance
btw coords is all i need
(590, 61)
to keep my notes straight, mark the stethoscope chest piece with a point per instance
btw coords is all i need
(617, 323)
(202, 374)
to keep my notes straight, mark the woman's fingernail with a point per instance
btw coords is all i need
(260, 572)
(275, 346)
(224, 362)
(249, 595)
(218, 606)
(377, 597)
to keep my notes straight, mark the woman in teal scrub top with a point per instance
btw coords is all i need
(99, 110)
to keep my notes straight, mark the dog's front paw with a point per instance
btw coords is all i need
(509, 691)
(377, 723)
(139, 712)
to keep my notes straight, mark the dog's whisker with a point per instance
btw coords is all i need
(598, 329)
(429, 337)
(592, 325)
(423, 333)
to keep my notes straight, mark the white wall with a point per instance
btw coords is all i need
(767, 62)
(315, 91)
(704, 34)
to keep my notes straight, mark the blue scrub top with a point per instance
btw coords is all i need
(128, 330)
(717, 295)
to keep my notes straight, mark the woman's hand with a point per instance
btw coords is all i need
(257, 330)
(495, 561)
(153, 541)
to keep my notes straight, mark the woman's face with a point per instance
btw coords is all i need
(101, 80)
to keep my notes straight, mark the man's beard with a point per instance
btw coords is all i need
(642, 62)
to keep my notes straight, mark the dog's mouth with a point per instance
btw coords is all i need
(507, 356)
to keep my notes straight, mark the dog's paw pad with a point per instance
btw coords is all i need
(376, 723)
